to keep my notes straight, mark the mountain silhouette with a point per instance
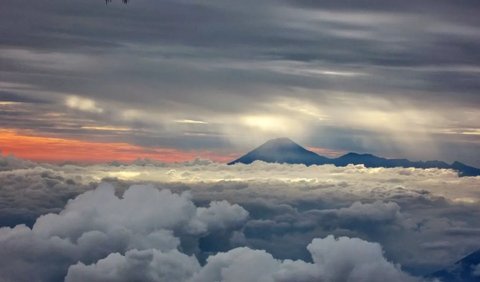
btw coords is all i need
(464, 270)
(284, 150)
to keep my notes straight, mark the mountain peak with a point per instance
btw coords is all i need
(462, 270)
(465, 170)
(281, 150)
(284, 150)
(281, 140)
(280, 143)
(353, 154)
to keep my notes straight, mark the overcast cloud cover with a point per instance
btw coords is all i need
(208, 220)
(396, 78)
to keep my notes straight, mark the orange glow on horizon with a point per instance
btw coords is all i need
(52, 149)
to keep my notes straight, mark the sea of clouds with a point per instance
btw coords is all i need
(205, 221)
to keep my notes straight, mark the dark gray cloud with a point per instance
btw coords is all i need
(150, 64)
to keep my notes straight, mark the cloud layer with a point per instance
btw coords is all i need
(366, 76)
(424, 219)
(98, 223)
(149, 235)
(342, 259)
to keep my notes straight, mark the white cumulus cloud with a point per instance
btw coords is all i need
(334, 259)
(98, 224)
(410, 212)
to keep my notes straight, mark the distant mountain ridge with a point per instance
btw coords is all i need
(464, 270)
(284, 150)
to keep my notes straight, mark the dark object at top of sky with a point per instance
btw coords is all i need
(284, 150)
(464, 270)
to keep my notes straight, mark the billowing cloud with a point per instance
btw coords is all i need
(147, 234)
(11, 162)
(147, 265)
(334, 259)
(423, 218)
(98, 223)
(32, 190)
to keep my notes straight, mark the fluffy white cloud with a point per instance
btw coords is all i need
(278, 179)
(101, 210)
(98, 223)
(410, 212)
(147, 265)
(145, 236)
(342, 259)
(334, 259)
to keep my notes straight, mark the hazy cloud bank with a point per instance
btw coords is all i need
(151, 235)
(423, 219)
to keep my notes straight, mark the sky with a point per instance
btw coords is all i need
(172, 80)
